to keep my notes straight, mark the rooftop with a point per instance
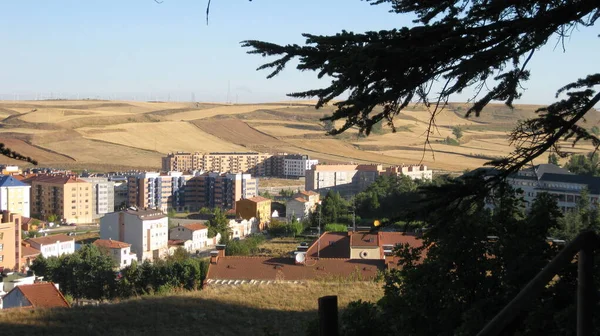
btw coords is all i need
(146, 213)
(195, 226)
(53, 179)
(51, 239)
(42, 295)
(364, 239)
(331, 245)
(111, 244)
(9, 181)
(309, 193)
(28, 251)
(258, 199)
(299, 199)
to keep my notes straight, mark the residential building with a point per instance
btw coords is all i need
(298, 207)
(10, 241)
(146, 230)
(163, 191)
(219, 190)
(67, 197)
(53, 246)
(120, 252)
(32, 224)
(196, 233)
(347, 179)
(11, 170)
(14, 195)
(413, 171)
(296, 165)
(28, 255)
(255, 207)
(356, 256)
(37, 295)
(103, 196)
(232, 162)
(121, 191)
(10, 280)
(241, 228)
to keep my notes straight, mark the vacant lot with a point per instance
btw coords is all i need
(278, 309)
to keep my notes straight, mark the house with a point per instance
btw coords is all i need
(119, 251)
(11, 280)
(298, 207)
(28, 255)
(14, 195)
(241, 228)
(53, 246)
(37, 295)
(146, 230)
(196, 233)
(255, 207)
(10, 241)
(32, 224)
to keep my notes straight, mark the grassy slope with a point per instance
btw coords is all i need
(280, 309)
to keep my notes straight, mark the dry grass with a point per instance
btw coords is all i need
(280, 182)
(279, 247)
(280, 309)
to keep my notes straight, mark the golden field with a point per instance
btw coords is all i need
(278, 309)
(110, 135)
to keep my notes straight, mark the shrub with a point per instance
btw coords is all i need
(334, 227)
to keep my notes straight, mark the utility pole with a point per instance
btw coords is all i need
(319, 238)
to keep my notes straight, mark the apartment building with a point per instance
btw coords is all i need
(347, 179)
(255, 207)
(219, 190)
(10, 241)
(14, 196)
(67, 197)
(413, 171)
(146, 230)
(296, 165)
(103, 196)
(161, 191)
(121, 191)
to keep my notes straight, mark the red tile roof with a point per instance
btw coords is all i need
(285, 269)
(175, 242)
(111, 244)
(298, 199)
(55, 179)
(42, 295)
(28, 251)
(332, 245)
(309, 193)
(195, 226)
(364, 239)
(394, 238)
(51, 239)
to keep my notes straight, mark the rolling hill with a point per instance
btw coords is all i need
(111, 135)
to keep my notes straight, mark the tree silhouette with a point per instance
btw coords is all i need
(5, 151)
(459, 43)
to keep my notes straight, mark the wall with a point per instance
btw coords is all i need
(372, 252)
(15, 200)
(15, 299)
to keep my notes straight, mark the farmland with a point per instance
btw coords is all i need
(112, 135)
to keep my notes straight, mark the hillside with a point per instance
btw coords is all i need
(110, 135)
(282, 309)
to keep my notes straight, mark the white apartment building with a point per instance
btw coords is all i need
(297, 165)
(146, 230)
(197, 233)
(14, 196)
(103, 196)
(53, 246)
(120, 252)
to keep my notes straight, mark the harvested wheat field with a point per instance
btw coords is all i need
(279, 309)
(65, 133)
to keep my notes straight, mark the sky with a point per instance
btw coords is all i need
(142, 50)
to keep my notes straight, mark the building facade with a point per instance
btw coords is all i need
(196, 233)
(219, 190)
(146, 230)
(67, 197)
(10, 241)
(346, 179)
(297, 165)
(103, 196)
(414, 172)
(53, 246)
(255, 207)
(163, 191)
(120, 252)
(14, 196)
(302, 205)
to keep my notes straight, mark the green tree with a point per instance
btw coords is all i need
(553, 159)
(219, 224)
(333, 207)
(179, 255)
(52, 218)
(457, 132)
(468, 44)
(584, 164)
(266, 194)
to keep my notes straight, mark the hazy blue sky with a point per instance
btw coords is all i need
(144, 50)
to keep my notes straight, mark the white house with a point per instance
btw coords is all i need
(240, 228)
(119, 251)
(14, 196)
(53, 246)
(146, 230)
(196, 233)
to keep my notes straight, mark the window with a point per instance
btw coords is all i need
(1, 258)
(1, 247)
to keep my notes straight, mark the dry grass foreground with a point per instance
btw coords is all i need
(120, 135)
(280, 309)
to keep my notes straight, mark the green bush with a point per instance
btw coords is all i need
(334, 227)
(244, 247)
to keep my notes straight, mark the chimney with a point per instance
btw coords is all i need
(214, 257)
(5, 216)
(220, 249)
